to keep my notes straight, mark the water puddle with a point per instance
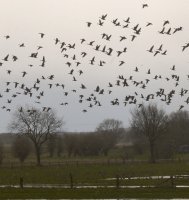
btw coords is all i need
(83, 187)
(59, 186)
(148, 177)
(107, 199)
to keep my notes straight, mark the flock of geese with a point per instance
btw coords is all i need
(75, 58)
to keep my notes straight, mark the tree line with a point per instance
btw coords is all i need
(151, 130)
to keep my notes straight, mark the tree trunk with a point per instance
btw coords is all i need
(152, 152)
(38, 154)
(105, 151)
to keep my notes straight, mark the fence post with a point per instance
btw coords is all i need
(172, 181)
(21, 182)
(71, 181)
(117, 182)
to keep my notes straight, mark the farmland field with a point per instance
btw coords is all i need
(95, 175)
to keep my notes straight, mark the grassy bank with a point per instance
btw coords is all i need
(88, 173)
(93, 193)
(96, 174)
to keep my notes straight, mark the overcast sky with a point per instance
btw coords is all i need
(66, 20)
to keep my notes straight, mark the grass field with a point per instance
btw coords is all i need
(88, 173)
(93, 193)
(95, 174)
(92, 171)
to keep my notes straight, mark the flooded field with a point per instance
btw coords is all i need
(111, 199)
(51, 186)
(150, 177)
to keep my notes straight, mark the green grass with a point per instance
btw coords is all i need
(8, 193)
(114, 154)
(88, 173)
(95, 174)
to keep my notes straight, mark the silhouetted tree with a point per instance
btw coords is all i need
(37, 125)
(69, 143)
(177, 131)
(179, 127)
(60, 145)
(109, 131)
(110, 125)
(82, 144)
(89, 144)
(151, 122)
(176, 135)
(21, 148)
(51, 145)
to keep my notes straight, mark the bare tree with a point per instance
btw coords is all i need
(176, 136)
(37, 125)
(151, 122)
(109, 130)
(110, 125)
(178, 128)
(21, 148)
(51, 145)
(60, 145)
(70, 143)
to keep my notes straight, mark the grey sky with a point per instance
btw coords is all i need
(66, 20)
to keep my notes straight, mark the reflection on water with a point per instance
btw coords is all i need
(110, 199)
(48, 186)
(148, 177)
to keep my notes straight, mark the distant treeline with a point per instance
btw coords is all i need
(115, 143)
